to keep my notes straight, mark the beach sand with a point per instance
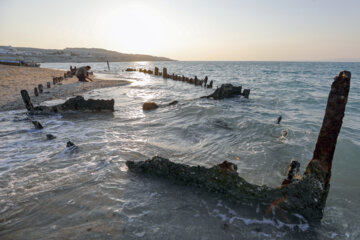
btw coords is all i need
(13, 79)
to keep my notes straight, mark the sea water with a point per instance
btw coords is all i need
(50, 192)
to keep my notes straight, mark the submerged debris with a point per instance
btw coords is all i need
(50, 137)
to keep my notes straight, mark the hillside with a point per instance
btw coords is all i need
(72, 55)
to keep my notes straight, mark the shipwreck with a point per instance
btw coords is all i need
(298, 194)
(77, 103)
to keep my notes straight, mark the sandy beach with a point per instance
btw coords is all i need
(13, 79)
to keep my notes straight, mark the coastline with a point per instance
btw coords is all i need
(13, 79)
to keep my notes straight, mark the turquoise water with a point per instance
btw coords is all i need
(47, 191)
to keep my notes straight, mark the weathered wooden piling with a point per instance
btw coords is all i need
(246, 93)
(205, 81)
(27, 101)
(36, 92)
(156, 71)
(321, 163)
(37, 125)
(41, 88)
(54, 80)
(195, 80)
(48, 85)
(165, 73)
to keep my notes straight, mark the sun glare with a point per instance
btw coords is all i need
(136, 29)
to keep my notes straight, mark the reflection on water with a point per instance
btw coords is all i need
(87, 193)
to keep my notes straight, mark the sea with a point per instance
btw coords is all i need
(48, 191)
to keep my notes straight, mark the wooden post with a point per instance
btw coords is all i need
(48, 84)
(165, 73)
(246, 93)
(36, 92)
(41, 88)
(156, 71)
(27, 101)
(205, 80)
(37, 125)
(54, 80)
(321, 163)
(108, 65)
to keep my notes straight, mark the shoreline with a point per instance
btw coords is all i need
(14, 78)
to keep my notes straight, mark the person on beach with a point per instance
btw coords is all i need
(82, 74)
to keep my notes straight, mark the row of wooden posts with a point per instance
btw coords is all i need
(182, 78)
(40, 88)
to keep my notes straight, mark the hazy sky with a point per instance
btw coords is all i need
(189, 29)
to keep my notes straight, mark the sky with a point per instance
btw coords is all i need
(190, 30)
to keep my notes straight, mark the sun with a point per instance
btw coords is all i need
(134, 29)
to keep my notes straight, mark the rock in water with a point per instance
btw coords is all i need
(149, 106)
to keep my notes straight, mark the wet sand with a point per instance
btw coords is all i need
(13, 79)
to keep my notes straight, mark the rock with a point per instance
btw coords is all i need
(130, 70)
(37, 125)
(149, 106)
(50, 137)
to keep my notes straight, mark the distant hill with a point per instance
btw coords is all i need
(72, 55)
